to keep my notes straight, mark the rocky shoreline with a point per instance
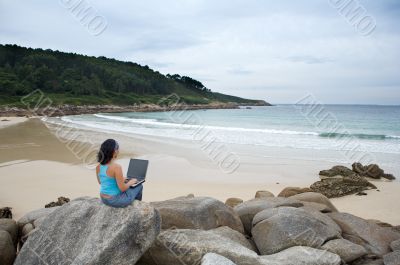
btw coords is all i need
(341, 181)
(294, 226)
(303, 228)
(63, 110)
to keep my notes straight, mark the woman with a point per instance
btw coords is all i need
(115, 190)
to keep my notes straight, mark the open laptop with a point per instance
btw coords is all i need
(137, 169)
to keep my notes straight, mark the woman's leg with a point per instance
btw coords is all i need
(135, 193)
(125, 198)
(140, 194)
(118, 201)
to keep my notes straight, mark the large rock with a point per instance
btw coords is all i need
(375, 239)
(347, 250)
(25, 233)
(26, 224)
(215, 259)
(388, 176)
(395, 245)
(249, 209)
(7, 249)
(368, 260)
(317, 207)
(338, 187)
(187, 246)
(85, 231)
(38, 221)
(6, 212)
(315, 197)
(60, 201)
(280, 228)
(380, 223)
(32, 216)
(337, 171)
(301, 256)
(396, 228)
(392, 258)
(290, 191)
(184, 246)
(197, 213)
(11, 227)
(371, 171)
(264, 194)
(234, 236)
(232, 202)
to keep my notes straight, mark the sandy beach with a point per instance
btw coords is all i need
(8, 121)
(36, 167)
(200, 132)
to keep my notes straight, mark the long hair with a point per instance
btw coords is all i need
(106, 151)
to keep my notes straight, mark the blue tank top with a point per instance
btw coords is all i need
(108, 185)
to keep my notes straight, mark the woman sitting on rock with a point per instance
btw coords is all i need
(115, 190)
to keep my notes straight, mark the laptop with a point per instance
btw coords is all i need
(137, 169)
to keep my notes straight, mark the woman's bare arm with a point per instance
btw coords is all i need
(119, 177)
(97, 174)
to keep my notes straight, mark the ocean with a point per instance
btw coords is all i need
(335, 133)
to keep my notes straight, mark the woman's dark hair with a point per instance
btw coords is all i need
(107, 150)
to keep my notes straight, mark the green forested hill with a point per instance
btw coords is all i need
(69, 78)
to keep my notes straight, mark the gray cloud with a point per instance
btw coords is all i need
(277, 51)
(308, 59)
(240, 71)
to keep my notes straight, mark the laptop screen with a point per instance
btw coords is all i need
(137, 169)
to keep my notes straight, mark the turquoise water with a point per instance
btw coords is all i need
(328, 127)
(286, 139)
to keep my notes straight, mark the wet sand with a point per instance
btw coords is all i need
(8, 121)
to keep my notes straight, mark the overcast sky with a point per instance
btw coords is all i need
(279, 51)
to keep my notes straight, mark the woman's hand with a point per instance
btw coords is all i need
(132, 182)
